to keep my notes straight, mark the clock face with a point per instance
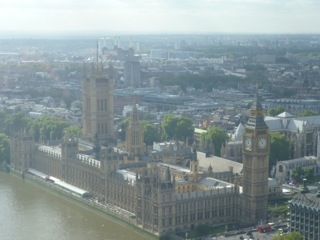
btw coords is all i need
(248, 143)
(262, 143)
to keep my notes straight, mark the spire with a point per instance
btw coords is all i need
(134, 115)
(256, 117)
(256, 105)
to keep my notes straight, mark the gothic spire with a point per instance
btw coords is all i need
(256, 105)
(256, 117)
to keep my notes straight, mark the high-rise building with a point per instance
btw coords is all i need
(255, 158)
(97, 104)
(132, 72)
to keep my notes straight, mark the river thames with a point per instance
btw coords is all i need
(28, 212)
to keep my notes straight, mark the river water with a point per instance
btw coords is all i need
(28, 212)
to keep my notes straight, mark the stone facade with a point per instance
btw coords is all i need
(162, 201)
(97, 104)
(256, 147)
(163, 196)
(134, 136)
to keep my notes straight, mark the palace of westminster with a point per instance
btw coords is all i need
(165, 197)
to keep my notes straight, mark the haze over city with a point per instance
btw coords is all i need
(154, 16)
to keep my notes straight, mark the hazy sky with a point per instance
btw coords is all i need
(161, 16)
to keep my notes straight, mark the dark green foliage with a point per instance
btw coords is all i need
(215, 137)
(289, 92)
(73, 130)
(203, 230)
(279, 148)
(276, 111)
(282, 60)
(177, 127)
(150, 134)
(308, 113)
(47, 128)
(2, 121)
(288, 236)
(4, 148)
(299, 174)
(278, 210)
(206, 82)
(16, 121)
(125, 123)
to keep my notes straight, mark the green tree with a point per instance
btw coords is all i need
(275, 111)
(73, 130)
(150, 134)
(215, 137)
(279, 148)
(177, 127)
(184, 128)
(288, 236)
(50, 128)
(168, 125)
(278, 210)
(125, 123)
(15, 121)
(34, 130)
(299, 174)
(309, 174)
(3, 116)
(308, 113)
(4, 148)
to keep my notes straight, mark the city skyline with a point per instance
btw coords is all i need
(154, 16)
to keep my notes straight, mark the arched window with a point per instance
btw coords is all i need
(231, 152)
(280, 168)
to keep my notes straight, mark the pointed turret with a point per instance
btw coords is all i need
(134, 135)
(256, 118)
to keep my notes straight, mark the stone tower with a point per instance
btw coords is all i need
(134, 135)
(21, 150)
(97, 104)
(69, 151)
(255, 157)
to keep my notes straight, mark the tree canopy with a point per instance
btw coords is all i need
(15, 121)
(73, 130)
(177, 127)
(279, 148)
(308, 113)
(275, 111)
(150, 134)
(299, 174)
(207, 82)
(215, 137)
(278, 210)
(4, 148)
(47, 128)
(288, 236)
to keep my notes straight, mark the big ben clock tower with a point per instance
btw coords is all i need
(255, 157)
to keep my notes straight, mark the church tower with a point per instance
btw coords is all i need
(134, 135)
(255, 157)
(97, 104)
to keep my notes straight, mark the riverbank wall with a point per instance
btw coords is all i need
(89, 204)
